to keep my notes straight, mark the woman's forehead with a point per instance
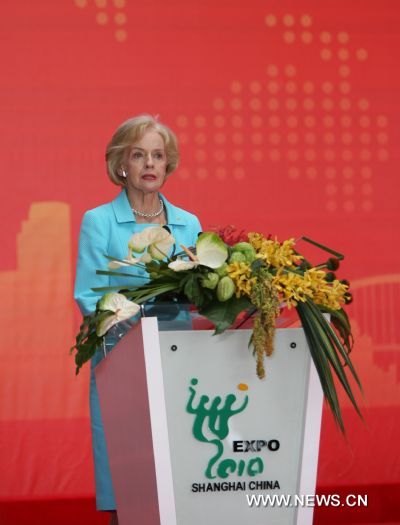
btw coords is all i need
(151, 139)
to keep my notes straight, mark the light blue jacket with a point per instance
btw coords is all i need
(106, 230)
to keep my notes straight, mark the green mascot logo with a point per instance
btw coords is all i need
(211, 425)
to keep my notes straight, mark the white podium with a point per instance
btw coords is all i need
(195, 438)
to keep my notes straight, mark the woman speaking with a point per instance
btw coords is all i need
(140, 157)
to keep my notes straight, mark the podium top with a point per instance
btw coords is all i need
(184, 316)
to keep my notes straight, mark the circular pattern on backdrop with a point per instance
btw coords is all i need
(306, 20)
(236, 87)
(288, 20)
(238, 173)
(289, 37)
(121, 35)
(102, 18)
(271, 20)
(106, 16)
(218, 104)
(120, 18)
(313, 128)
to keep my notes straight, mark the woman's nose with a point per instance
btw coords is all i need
(149, 159)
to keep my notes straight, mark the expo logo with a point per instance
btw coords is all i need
(211, 425)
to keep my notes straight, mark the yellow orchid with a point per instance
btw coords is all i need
(240, 273)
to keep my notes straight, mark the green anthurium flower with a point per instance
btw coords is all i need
(121, 307)
(246, 249)
(210, 281)
(211, 250)
(237, 257)
(157, 240)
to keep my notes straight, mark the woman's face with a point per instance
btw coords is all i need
(146, 164)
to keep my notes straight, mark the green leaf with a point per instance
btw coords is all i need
(193, 289)
(223, 314)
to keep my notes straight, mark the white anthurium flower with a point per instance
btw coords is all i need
(211, 250)
(121, 306)
(156, 239)
(180, 265)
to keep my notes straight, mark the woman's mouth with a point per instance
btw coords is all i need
(149, 176)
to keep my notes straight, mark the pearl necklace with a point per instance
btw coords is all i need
(154, 214)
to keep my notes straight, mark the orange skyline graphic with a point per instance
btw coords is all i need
(37, 374)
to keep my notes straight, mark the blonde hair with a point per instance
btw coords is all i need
(130, 132)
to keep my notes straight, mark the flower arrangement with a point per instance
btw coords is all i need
(225, 276)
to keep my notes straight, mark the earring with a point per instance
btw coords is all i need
(124, 174)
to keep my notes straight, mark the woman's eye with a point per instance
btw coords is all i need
(137, 155)
(158, 156)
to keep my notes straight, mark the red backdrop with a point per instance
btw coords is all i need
(288, 118)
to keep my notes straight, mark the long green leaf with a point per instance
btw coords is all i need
(321, 364)
(145, 296)
(331, 334)
(328, 348)
(118, 274)
(140, 264)
(341, 322)
(109, 288)
(324, 333)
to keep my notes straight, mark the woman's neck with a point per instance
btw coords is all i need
(146, 202)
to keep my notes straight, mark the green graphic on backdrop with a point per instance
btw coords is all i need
(211, 425)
